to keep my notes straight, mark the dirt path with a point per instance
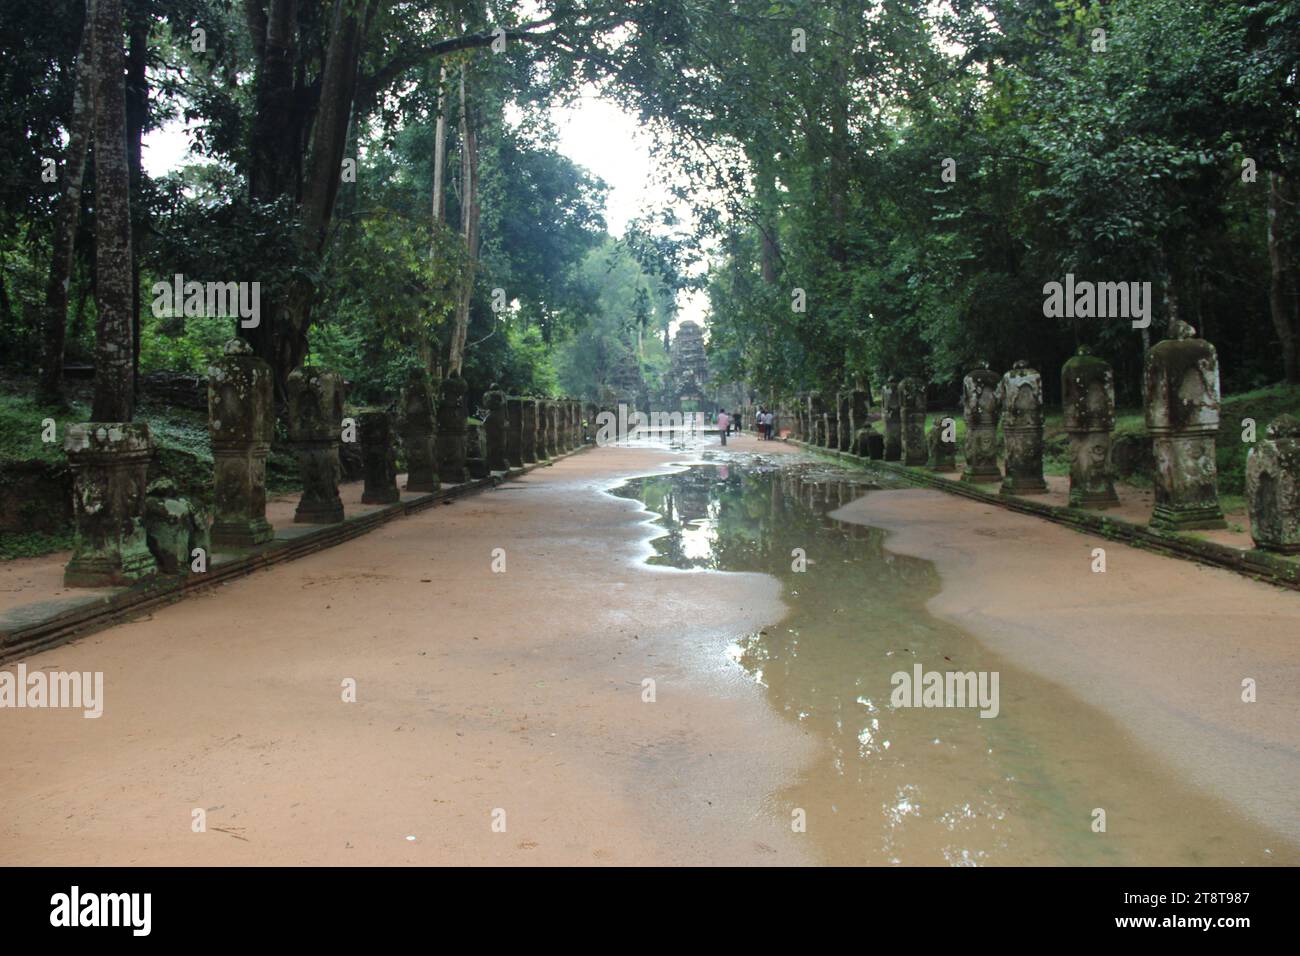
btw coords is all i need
(1161, 645)
(476, 691)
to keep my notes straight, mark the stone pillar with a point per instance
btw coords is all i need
(891, 412)
(551, 418)
(943, 444)
(476, 450)
(813, 411)
(1182, 415)
(1273, 487)
(110, 469)
(497, 428)
(241, 424)
(1020, 398)
(452, 429)
(419, 427)
(843, 427)
(380, 458)
(859, 408)
(532, 446)
(515, 432)
(911, 410)
(565, 411)
(979, 403)
(315, 418)
(1088, 405)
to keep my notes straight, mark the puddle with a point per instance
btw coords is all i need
(921, 785)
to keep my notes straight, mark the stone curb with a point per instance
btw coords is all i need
(30, 628)
(1253, 563)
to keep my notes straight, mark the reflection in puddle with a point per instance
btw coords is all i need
(921, 785)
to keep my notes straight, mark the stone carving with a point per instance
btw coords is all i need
(1020, 400)
(376, 432)
(1182, 416)
(419, 428)
(891, 418)
(551, 417)
(533, 450)
(859, 407)
(980, 410)
(110, 466)
(1088, 403)
(515, 432)
(475, 453)
(315, 420)
(844, 426)
(452, 429)
(911, 411)
(496, 427)
(1273, 487)
(241, 424)
(173, 527)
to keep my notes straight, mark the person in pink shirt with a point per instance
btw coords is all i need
(724, 423)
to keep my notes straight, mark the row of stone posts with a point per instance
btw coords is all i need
(1182, 418)
(110, 463)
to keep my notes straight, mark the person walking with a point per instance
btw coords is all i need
(724, 424)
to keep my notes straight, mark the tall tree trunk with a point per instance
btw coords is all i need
(137, 115)
(440, 153)
(114, 378)
(1282, 289)
(67, 216)
(469, 220)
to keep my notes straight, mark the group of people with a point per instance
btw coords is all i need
(764, 422)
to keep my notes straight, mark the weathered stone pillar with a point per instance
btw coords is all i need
(1020, 396)
(1182, 415)
(943, 444)
(476, 450)
(241, 424)
(515, 432)
(315, 417)
(813, 410)
(979, 403)
(859, 408)
(566, 425)
(1273, 487)
(380, 458)
(110, 469)
(533, 443)
(911, 408)
(844, 427)
(891, 412)
(1088, 405)
(419, 427)
(497, 428)
(552, 428)
(452, 429)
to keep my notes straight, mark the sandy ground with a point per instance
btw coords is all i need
(1162, 645)
(476, 692)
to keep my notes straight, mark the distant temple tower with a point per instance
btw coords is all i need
(689, 371)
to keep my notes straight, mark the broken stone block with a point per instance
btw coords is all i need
(980, 410)
(375, 426)
(1182, 416)
(110, 466)
(241, 424)
(1273, 487)
(173, 528)
(943, 444)
(452, 429)
(892, 420)
(419, 428)
(911, 410)
(1020, 398)
(315, 421)
(1088, 404)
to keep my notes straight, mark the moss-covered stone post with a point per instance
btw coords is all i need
(515, 431)
(531, 446)
(979, 404)
(241, 424)
(419, 426)
(379, 457)
(891, 416)
(1088, 407)
(1182, 416)
(1020, 398)
(452, 429)
(497, 426)
(911, 413)
(1273, 487)
(315, 420)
